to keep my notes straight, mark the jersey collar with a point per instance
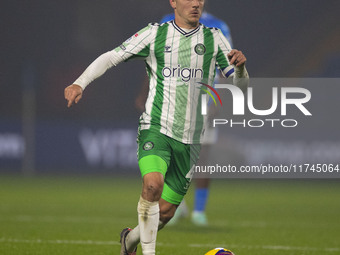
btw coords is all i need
(187, 34)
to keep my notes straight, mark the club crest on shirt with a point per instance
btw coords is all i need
(148, 146)
(200, 49)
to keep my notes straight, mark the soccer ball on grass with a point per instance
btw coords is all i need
(219, 251)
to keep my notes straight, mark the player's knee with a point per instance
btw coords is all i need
(152, 190)
(154, 187)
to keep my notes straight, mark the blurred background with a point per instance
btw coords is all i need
(45, 46)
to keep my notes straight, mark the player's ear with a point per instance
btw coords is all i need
(173, 3)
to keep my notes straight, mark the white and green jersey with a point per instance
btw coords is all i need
(176, 61)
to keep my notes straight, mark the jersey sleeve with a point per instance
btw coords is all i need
(222, 60)
(138, 45)
(226, 32)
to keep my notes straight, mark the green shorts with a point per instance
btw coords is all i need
(175, 160)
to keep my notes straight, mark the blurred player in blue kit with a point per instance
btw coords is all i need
(198, 216)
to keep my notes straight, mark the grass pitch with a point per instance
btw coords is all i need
(84, 215)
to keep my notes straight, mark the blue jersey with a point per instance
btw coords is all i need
(209, 21)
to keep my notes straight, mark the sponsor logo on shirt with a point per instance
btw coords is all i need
(167, 49)
(186, 74)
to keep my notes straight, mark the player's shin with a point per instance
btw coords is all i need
(148, 219)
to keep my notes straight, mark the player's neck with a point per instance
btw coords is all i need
(186, 25)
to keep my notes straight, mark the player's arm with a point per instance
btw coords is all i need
(133, 47)
(241, 77)
(226, 32)
(97, 68)
(232, 62)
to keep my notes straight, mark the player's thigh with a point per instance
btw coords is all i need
(180, 172)
(153, 152)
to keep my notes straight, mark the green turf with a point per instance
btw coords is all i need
(84, 215)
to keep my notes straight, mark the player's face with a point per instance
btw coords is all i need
(187, 12)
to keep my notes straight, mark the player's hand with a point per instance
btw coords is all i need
(237, 58)
(73, 94)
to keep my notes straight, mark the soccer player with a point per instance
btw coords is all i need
(178, 54)
(198, 216)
